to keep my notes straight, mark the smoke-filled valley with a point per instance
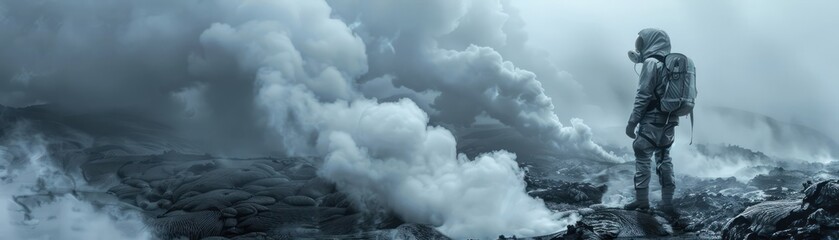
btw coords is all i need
(274, 119)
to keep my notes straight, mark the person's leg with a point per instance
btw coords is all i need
(643, 154)
(664, 170)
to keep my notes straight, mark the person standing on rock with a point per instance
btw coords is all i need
(666, 91)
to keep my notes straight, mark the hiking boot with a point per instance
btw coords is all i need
(642, 201)
(638, 205)
(669, 211)
(673, 217)
(666, 206)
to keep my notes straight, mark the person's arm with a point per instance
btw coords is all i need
(645, 95)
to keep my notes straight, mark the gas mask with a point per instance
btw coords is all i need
(635, 55)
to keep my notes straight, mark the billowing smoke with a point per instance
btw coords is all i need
(471, 80)
(288, 77)
(36, 200)
(433, 184)
(380, 153)
(151, 58)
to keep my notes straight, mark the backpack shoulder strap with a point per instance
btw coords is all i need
(663, 60)
(691, 127)
(660, 59)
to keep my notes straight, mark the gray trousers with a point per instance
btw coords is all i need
(654, 140)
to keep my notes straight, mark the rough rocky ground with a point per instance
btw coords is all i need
(816, 216)
(116, 161)
(137, 166)
(809, 214)
(707, 206)
(204, 197)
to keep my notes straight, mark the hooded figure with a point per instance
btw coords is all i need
(655, 129)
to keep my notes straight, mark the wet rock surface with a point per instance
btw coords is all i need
(131, 165)
(813, 217)
(708, 207)
(200, 196)
(809, 214)
(614, 223)
(184, 194)
(562, 192)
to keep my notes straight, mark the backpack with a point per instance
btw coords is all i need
(680, 87)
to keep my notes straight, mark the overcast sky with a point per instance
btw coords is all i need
(770, 57)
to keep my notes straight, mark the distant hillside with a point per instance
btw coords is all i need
(114, 128)
(782, 135)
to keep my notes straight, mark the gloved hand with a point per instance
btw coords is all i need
(630, 130)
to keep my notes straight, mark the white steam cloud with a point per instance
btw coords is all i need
(380, 153)
(417, 173)
(35, 202)
(433, 48)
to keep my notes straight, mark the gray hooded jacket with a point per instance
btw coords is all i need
(655, 42)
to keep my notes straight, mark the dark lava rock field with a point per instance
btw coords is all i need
(139, 167)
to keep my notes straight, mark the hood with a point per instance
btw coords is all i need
(656, 42)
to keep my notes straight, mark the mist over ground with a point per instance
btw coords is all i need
(760, 57)
(439, 113)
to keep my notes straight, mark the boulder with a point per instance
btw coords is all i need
(229, 212)
(191, 225)
(137, 183)
(412, 231)
(269, 182)
(614, 223)
(212, 200)
(261, 200)
(824, 194)
(248, 209)
(303, 201)
(760, 219)
(813, 217)
(316, 187)
(302, 172)
(223, 178)
(278, 192)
